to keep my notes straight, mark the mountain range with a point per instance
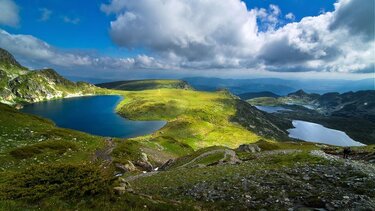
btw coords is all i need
(280, 86)
(351, 112)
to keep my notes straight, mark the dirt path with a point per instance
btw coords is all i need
(202, 156)
(147, 174)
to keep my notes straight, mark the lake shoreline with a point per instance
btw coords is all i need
(98, 118)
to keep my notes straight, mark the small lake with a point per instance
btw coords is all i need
(94, 114)
(313, 132)
(272, 109)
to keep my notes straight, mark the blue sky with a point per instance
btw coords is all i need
(91, 32)
(83, 30)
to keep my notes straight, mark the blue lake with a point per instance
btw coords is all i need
(313, 132)
(95, 115)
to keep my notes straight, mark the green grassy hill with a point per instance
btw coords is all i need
(139, 85)
(198, 119)
(43, 167)
(215, 153)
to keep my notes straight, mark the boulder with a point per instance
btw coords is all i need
(166, 165)
(144, 157)
(146, 166)
(143, 163)
(128, 167)
(119, 190)
(249, 148)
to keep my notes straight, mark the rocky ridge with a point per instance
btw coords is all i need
(19, 85)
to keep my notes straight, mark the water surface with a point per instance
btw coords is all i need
(95, 115)
(313, 132)
(272, 109)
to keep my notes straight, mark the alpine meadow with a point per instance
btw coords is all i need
(187, 105)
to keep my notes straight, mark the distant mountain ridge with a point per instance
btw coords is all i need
(280, 86)
(20, 85)
(359, 104)
(138, 85)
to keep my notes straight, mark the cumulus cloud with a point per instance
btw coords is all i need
(355, 16)
(45, 14)
(38, 54)
(9, 14)
(290, 16)
(225, 33)
(188, 30)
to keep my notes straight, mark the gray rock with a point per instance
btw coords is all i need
(249, 148)
(166, 165)
(119, 190)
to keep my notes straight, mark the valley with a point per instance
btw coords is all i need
(351, 112)
(215, 152)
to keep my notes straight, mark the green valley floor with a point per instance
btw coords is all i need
(209, 156)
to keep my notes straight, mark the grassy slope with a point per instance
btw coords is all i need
(265, 101)
(196, 119)
(139, 85)
(199, 119)
(33, 148)
(26, 140)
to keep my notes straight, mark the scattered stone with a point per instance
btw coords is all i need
(249, 148)
(119, 190)
(306, 178)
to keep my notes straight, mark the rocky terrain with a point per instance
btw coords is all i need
(19, 85)
(359, 104)
(215, 153)
(351, 112)
(263, 177)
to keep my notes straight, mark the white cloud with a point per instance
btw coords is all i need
(225, 33)
(67, 19)
(182, 28)
(9, 14)
(45, 14)
(39, 54)
(290, 16)
(270, 18)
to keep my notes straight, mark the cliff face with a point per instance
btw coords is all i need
(19, 85)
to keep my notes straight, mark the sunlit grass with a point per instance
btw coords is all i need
(199, 119)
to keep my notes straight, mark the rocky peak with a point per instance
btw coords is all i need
(7, 60)
(303, 95)
(299, 93)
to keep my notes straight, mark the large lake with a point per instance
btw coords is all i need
(95, 115)
(313, 132)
